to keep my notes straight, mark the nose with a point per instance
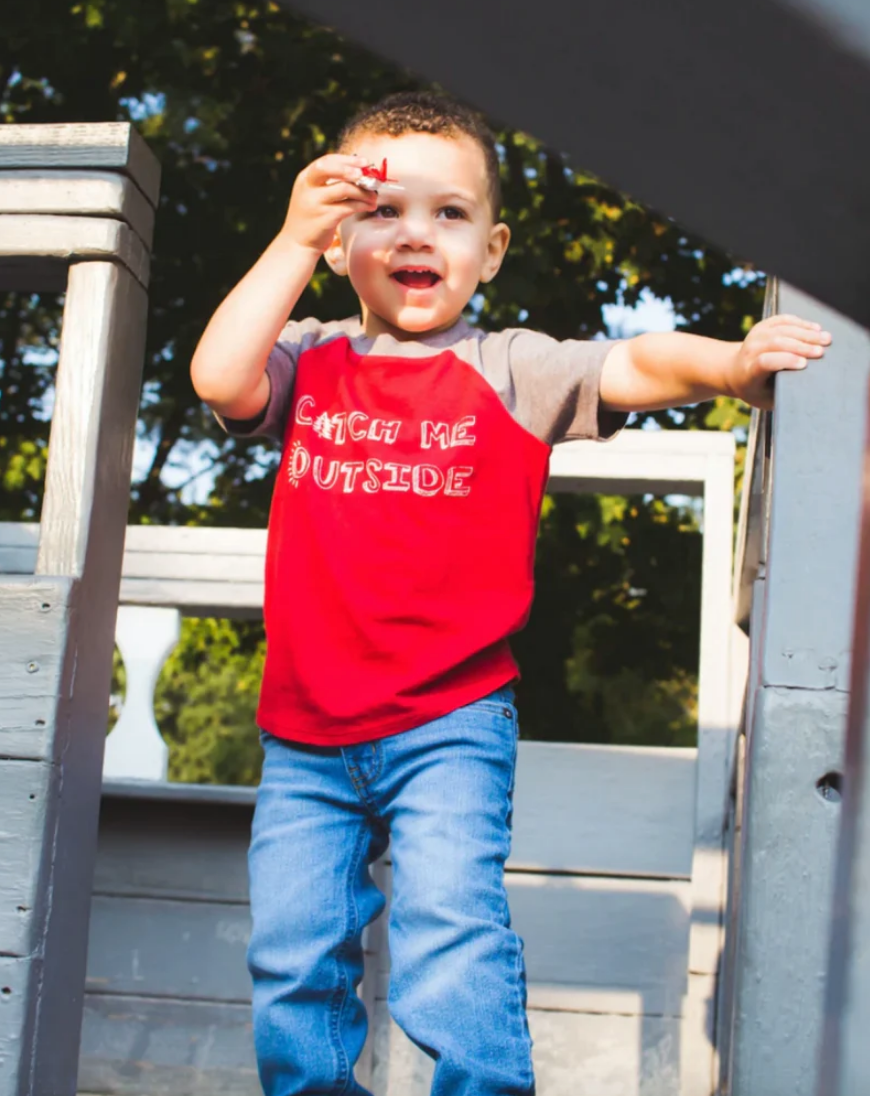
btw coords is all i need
(415, 233)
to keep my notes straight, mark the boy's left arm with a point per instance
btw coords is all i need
(654, 371)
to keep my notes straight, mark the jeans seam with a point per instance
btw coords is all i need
(522, 1016)
(343, 991)
(519, 965)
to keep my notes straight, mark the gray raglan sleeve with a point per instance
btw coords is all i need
(281, 371)
(554, 384)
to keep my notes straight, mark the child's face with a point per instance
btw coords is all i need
(416, 262)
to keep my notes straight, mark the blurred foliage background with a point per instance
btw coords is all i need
(234, 98)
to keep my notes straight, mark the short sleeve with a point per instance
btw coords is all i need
(556, 386)
(295, 337)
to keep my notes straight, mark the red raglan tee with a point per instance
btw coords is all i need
(403, 523)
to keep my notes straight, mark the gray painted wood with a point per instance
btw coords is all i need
(91, 442)
(243, 600)
(717, 723)
(25, 793)
(786, 889)
(45, 898)
(33, 620)
(166, 948)
(204, 572)
(35, 681)
(17, 979)
(751, 547)
(45, 239)
(845, 1058)
(104, 146)
(635, 817)
(698, 1065)
(193, 850)
(753, 525)
(608, 934)
(590, 940)
(170, 925)
(572, 1054)
(631, 810)
(818, 443)
(800, 635)
(91, 193)
(712, 158)
(134, 1045)
(196, 541)
(186, 567)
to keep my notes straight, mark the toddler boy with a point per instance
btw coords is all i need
(399, 560)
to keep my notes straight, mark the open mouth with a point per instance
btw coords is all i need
(416, 278)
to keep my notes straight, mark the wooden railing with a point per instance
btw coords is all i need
(794, 592)
(76, 210)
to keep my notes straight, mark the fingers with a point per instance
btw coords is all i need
(796, 327)
(793, 341)
(335, 166)
(775, 360)
(340, 191)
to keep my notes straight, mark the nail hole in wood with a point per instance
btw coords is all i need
(830, 787)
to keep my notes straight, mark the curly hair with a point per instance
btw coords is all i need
(427, 112)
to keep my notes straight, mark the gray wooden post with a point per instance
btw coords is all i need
(57, 627)
(845, 1062)
(800, 639)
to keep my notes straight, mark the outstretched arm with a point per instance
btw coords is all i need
(653, 371)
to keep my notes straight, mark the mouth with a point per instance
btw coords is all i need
(416, 277)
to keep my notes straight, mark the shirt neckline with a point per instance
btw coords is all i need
(387, 345)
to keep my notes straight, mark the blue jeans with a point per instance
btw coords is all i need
(442, 794)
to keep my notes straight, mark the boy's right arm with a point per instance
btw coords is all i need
(228, 368)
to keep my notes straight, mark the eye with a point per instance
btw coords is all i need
(454, 213)
(386, 211)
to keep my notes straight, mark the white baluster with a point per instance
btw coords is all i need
(145, 638)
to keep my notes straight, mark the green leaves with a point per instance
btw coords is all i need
(235, 98)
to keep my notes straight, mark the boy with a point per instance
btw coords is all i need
(400, 554)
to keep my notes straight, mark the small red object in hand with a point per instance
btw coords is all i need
(378, 173)
(373, 178)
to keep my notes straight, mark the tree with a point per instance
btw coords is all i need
(235, 98)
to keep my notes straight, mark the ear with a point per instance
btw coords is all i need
(335, 256)
(496, 248)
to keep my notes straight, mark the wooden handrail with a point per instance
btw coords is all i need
(750, 552)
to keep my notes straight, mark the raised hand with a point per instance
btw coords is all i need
(325, 192)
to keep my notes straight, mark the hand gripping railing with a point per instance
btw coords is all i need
(76, 211)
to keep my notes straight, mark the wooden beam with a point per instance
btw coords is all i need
(33, 242)
(82, 193)
(53, 704)
(800, 638)
(102, 146)
(744, 121)
(845, 1059)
